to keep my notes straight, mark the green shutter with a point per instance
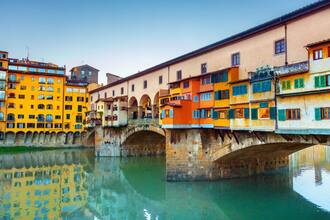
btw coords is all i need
(247, 113)
(272, 112)
(281, 115)
(317, 81)
(254, 114)
(323, 81)
(231, 113)
(317, 114)
(288, 84)
(214, 114)
(296, 83)
(302, 83)
(283, 85)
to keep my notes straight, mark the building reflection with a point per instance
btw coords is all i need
(41, 185)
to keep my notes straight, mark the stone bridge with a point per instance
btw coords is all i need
(204, 154)
(138, 138)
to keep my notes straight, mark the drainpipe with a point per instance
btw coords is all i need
(286, 43)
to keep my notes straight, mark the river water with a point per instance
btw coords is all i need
(72, 184)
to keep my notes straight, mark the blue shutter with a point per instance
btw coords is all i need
(163, 113)
(254, 114)
(272, 112)
(231, 113)
(246, 113)
(171, 113)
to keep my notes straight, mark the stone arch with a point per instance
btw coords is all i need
(60, 138)
(76, 138)
(35, 137)
(69, 138)
(132, 108)
(28, 138)
(52, 139)
(155, 106)
(145, 107)
(41, 137)
(153, 141)
(10, 138)
(19, 138)
(47, 138)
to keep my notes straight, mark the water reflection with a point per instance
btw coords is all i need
(74, 185)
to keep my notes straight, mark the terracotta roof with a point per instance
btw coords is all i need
(318, 43)
(239, 81)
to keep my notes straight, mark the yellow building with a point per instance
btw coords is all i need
(3, 78)
(41, 192)
(40, 98)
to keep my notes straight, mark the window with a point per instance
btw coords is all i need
(31, 116)
(79, 108)
(322, 81)
(239, 90)
(235, 59)
(221, 76)
(57, 117)
(132, 87)
(68, 98)
(49, 107)
(68, 107)
(206, 96)
(41, 118)
(67, 116)
(20, 116)
(42, 88)
(122, 90)
(41, 106)
(79, 119)
(292, 114)
(221, 94)
(179, 75)
(49, 97)
(42, 80)
(318, 54)
(2, 75)
(324, 113)
(41, 97)
(145, 84)
(186, 84)
(50, 89)
(206, 80)
(80, 99)
(49, 118)
(160, 80)
(196, 114)
(50, 81)
(280, 46)
(299, 83)
(2, 117)
(205, 113)
(203, 68)
(263, 113)
(286, 85)
(21, 96)
(105, 95)
(22, 68)
(31, 69)
(239, 113)
(113, 92)
(196, 98)
(264, 86)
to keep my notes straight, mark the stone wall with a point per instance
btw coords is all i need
(48, 139)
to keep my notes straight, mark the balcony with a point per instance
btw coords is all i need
(295, 68)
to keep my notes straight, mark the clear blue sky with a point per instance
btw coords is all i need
(122, 36)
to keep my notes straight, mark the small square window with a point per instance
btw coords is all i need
(280, 46)
(160, 80)
(145, 84)
(204, 68)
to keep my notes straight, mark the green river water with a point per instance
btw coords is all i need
(73, 184)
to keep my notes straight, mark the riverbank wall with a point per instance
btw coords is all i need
(47, 139)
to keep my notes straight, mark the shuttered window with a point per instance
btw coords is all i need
(299, 83)
(171, 113)
(286, 85)
(281, 115)
(239, 90)
(254, 114)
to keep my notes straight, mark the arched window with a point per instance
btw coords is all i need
(41, 106)
(49, 118)
(50, 89)
(41, 118)
(1, 116)
(49, 106)
(10, 117)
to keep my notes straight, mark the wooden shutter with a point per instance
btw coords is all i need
(246, 113)
(281, 115)
(254, 113)
(272, 112)
(231, 113)
(318, 114)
